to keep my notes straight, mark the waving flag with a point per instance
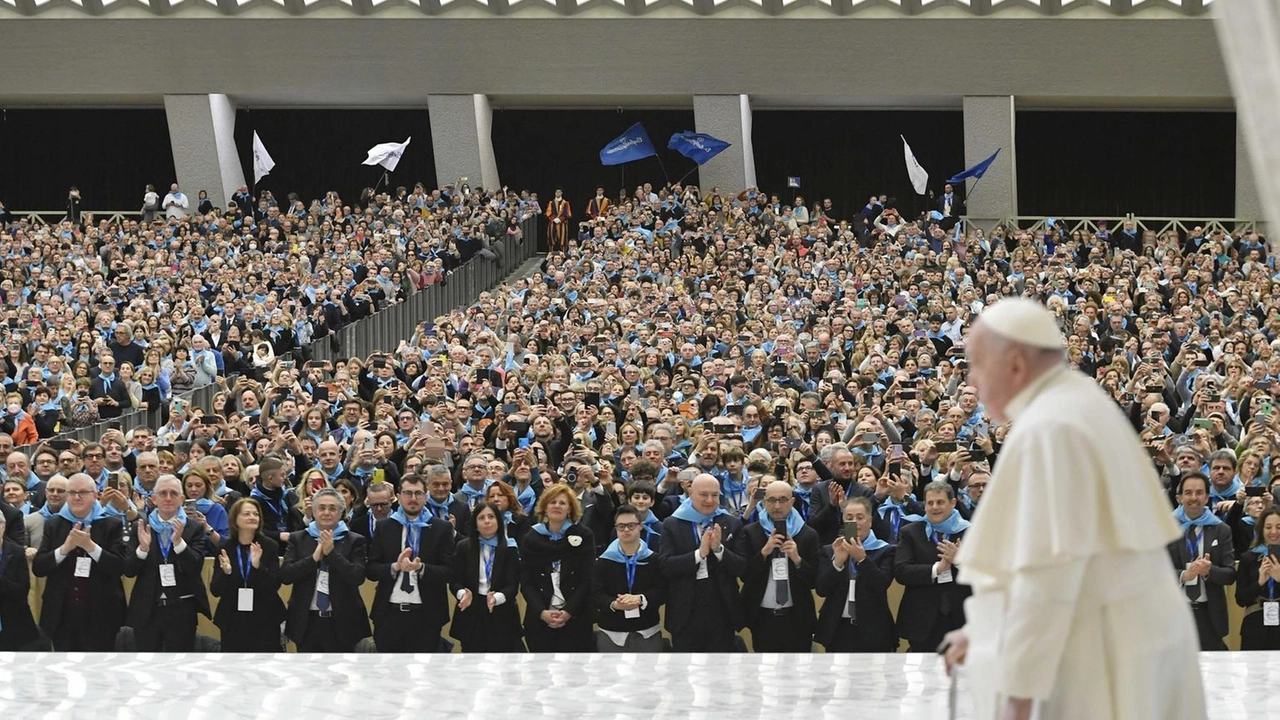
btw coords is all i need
(976, 171)
(262, 162)
(919, 178)
(698, 147)
(634, 144)
(387, 154)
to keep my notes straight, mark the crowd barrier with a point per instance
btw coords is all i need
(206, 627)
(380, 332)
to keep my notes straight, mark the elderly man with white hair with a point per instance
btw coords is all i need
(1074, 612)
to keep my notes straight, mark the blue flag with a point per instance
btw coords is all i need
(634, 144)
(698, 147)
(976, 171)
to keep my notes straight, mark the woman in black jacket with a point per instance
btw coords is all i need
(1258, 583)
(557, 556)
(17, 627)
(247, 581)
(486, 577)
(627, 589)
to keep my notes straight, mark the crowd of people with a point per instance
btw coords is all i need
(704, 410)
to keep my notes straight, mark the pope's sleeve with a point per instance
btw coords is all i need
(1038, 621)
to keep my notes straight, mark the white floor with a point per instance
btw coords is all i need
(655, 687)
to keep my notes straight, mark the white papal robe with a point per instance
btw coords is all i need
(1073, 601)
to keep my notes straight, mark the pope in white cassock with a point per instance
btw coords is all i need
(1074, 612)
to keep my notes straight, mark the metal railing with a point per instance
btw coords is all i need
(45, 218)
(1160, 225)
(381, 331)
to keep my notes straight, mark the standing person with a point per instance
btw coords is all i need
(73, 205)
(175, 204)
(627, 589)
(862, 564)
(1074, 608)
(1258, 586)
(925, 564)
(782, 567)
(702, 564)
(325, 564)
(166, 555)
(247, 580)
(150, 204)
(558, 216)
(557, 556)
(82, 555)
(17, 627)
(411, 559)
(486, 578)
(1205, 560)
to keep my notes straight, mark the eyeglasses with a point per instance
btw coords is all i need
(167, 493)
(626, 527)
(378, 506)
(777, 500)
(80, 493)
(977, 485)
(413, 493)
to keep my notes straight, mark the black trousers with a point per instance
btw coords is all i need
(709, 629)
(1209, 637)
(1256, 636)
(406, 632)
(76, 633)
(852, 638)
(321, 636)
(574, 637)
(943, 625)
(172, 628)
(780, 633)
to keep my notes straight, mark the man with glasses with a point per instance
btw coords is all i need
(82, 555)
(411, 559)
(55, 491)
(166, 555)
(325, 564)
(69, 463)
(108, 391)
(442, 504)
(94, 463)
(628, 589)
(782, 567)
(475, 480)
(377, 507)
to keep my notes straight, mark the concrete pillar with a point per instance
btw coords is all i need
(202, 133)
(988, 126)
(1248, 200)
(462, 140)
(727, 117)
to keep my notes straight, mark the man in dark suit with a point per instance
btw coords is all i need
(325, 564)
(411, 559)
(377, 506)
(108, 391)
(702, 561)
(864, 622)
(441, 503)
(166, 555)
(82, 555)
(17, 627)
(950, 206)
(782, 567)
(829, 495)
(1205, 560)
(15, 523)
(932, 599)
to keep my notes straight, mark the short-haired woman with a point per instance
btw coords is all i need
(557, 556)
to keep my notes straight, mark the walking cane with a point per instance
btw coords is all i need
(951, 680)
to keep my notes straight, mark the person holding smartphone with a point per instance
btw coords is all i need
(854, 576)
(1258, 585)
(782, 555)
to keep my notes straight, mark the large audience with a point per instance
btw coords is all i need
(704, 413)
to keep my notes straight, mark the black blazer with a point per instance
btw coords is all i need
(463, 524)
(825, 517)
(679, 564)
(537, 552)
(17, 627)
(883, 527)
(435, 548)
(609, 580)
(1217, 541)
(187, 567)
(268, 610)
(1248, 591)
(15, 529)
(504, 578)
(346, 566)
(803, 578)
(118, 392)
(875, 620)
(105, 590)
(922, 597)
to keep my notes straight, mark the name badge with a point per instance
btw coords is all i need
(779, 566)
(83, 566)
(853, 585)
(167, 576)
(244, 600)
(322, 582)
(631, 614)
(1271, 613)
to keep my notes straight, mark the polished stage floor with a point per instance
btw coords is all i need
(649, 687)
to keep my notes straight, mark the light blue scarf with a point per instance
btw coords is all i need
(1229, 493)
(1206, 518)
(872, 542)
(314, 530)
(95, 513)
(424, 519)
(795, 523)
(952, 525)
(889, 503)
(614, 553)
(493, 542)
(686, 512)
(542, 529)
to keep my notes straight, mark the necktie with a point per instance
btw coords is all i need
(405, 583)
(322, 598)
(1192, 590)
(849, 602)
(782, 588)
(944, 602)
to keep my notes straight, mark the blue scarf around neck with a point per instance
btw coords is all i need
(95, 513)
(314, 530)
(614, 553)
(493, 541)
(1206, 519)
(795, 523)
(542, 529)
(952, 525)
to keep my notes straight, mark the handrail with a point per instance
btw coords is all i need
(1159, 225)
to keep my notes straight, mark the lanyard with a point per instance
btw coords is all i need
(164, 549)
(631, 564)
(1271, 589)
(488, 561)
(370, 524)
(895, 519)
(243, 559)
(697, 536)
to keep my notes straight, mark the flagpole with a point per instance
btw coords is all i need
(686, 175)
(666, 179)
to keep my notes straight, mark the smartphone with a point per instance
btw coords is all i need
(591, 399)
(635, 392)
(190, 506)
(611, 428)
(1255, 490)
(794, 443)
(870, 438)
(850, 531)
(113, 480)
(379, 475)
(229, 445)
(908, 394)
(733, 410)
(779, 528)
(114, 425)
(210, 419)
(369, 443)
(510, 408)
(1213, 397)
(60, 445)
(895, 451)
(1153, 450)
(378, 363)
(286, 364)
(1202, 423)
(522, 443)
(519, 429)
(756, 387)
(318, 483)
(946, 447)
(780, 370)
(759, 494)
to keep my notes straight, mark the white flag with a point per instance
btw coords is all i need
(262, 162)
(387, 154)
(919, 178)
